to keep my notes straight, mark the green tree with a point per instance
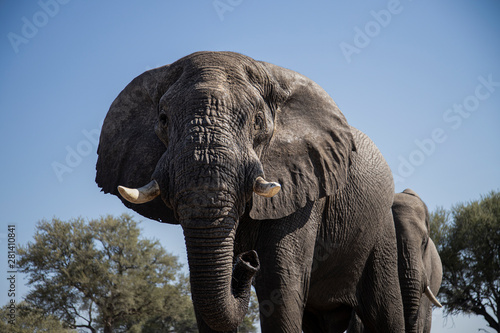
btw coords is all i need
(468, 242)
(439, 226)
(28, 319)
(102, 276)
(181, 320)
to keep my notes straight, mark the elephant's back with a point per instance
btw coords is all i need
(369, 169)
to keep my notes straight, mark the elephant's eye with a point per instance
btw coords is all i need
(161, 127)
(259, 122)
(424, 243)
(163, 118)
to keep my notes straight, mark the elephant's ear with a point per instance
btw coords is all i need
(128, 146)
(309, 153)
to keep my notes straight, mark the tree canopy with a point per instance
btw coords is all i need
(29, 319)
(468, 241)
(101, 275)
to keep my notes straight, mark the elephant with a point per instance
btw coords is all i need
(419, 265)
(271, 186)
(420, 268)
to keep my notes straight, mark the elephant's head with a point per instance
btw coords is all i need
(419, 263)
(212, 135)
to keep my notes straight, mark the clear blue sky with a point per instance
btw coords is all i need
(421, 78)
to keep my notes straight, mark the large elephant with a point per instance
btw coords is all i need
(270, 185)
(420, 267)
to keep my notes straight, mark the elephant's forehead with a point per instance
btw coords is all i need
(204, 60)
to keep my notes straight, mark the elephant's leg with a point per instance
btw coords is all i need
(286, 249)
(380, 305)
(282, 296)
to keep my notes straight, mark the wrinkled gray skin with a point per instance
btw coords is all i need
(418, 263)
(204, 128)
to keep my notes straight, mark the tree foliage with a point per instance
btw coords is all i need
(468, 241)
(28, 319)
(103, 277)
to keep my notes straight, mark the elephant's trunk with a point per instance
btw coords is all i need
(411, 290)
(220, 293)
(410, 279)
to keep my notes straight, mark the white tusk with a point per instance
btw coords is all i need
(140, 195)
(433, 298)
(265, 188)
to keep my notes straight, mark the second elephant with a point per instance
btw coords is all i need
(419, 265)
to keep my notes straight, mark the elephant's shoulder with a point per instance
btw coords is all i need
(367, 160)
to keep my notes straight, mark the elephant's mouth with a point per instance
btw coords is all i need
(151, 190)
(247, 264)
